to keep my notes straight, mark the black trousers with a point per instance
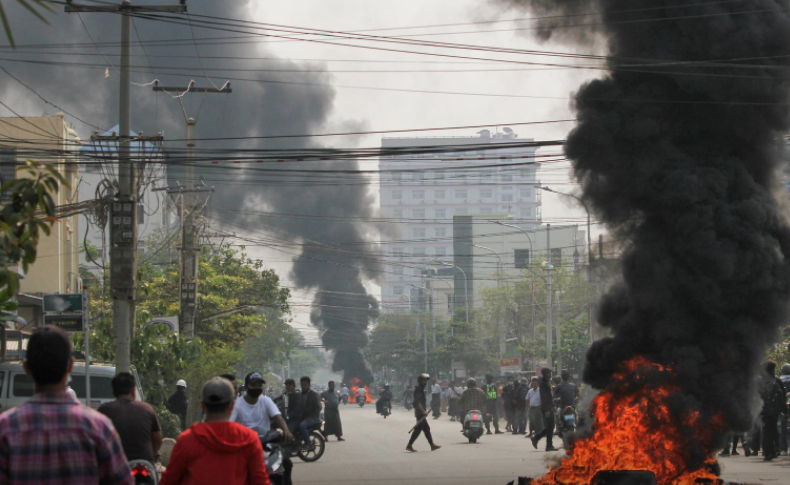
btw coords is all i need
(492, 414)
(423, 427)
(436, 401)
(548, 431)
(519, 424)
(770, 434)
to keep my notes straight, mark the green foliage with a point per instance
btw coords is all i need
(33, 6)
(169, 422)
(29, 213)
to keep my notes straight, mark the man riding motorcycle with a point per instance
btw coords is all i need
(472, 399)
(385, 401)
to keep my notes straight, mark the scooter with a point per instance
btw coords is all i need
(473, 425)
(567, 425)
(407, 402)
(144, 472)
(361, 401)
(345, 398)
(274, 458)
(384, 407)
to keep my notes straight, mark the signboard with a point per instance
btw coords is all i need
(510, 365)
(66, 322)
(170, 323)
(63, 303)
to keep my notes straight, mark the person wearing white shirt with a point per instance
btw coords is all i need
(256, 411)
(535, 416)
(436, 399)
(453, 396)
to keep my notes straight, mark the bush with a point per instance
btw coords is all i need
(170, 423)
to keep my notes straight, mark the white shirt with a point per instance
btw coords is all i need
(436, 389)
(533, 396)
(344, 391)
(361, 391)
(256, 416)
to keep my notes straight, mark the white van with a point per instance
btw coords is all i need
(16, 387)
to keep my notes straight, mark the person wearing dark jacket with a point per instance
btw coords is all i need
(311, 410)
(547, 408)
(519, 398)
(421, 413)
(773, 393)
(178, 403)
(217, 451)
(507, 398)
(491, 411)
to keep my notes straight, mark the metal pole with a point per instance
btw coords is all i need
(86, 325)
(549, 315)
(189, 289)
(123, 292)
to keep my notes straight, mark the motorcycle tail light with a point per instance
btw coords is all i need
(475, 416)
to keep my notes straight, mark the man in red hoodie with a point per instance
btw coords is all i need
(217, 451)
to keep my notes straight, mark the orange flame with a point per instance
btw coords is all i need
(353, 387)
(635, 430)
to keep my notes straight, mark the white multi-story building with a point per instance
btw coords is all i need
(420, 195)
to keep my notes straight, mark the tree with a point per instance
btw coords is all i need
(29, 212)
(33, 6)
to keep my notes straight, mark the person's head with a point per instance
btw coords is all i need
(181, 385)
(217, 399)
(785, 369)
(232, 379)
(305, 383)
(423, 379)
(290, 385)
(254, 383)
(331, 385)
(433, 380)
(565, 375)
(535, 382)
(523, 381)
(123, 385)
(546, 373)
(489, 378)
(344, 385)
(770, 367)
(510, 379)
(49, 359)
(471, 383)
(386, 386)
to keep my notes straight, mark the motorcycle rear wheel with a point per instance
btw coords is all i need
(319, 446)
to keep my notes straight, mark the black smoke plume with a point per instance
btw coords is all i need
(677, 149)
(342, 306)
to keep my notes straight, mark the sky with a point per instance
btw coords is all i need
(497, 94)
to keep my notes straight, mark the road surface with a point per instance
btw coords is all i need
(374, 454)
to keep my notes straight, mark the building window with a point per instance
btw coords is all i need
(460, 194)
(439, 194)
(418, 232)
(418, 213)
(441, 231)
(397, 213)
(507, 187)
(462, 210)
(440, 251)
(526, 193)
(397, 290)
(507, 178)
(440, 213)
(486, 193)
(507, 197)
(419, 252)
(419, 176)
(397, 195)
(486, 210)
(418, 194)
(397, 176)
(398, 270)
(521, 258)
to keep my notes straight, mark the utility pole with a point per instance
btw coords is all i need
(190, 230)
(549, 270)
(123, 236)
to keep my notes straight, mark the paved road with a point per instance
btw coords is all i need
(374, 454)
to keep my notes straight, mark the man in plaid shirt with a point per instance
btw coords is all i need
(52, 438)
(473, 399)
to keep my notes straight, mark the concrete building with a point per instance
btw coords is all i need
(47, 139)
(421, 203)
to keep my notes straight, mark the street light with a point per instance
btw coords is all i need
(589, 249)
(501, 265)
(466, 285)
(424, 330)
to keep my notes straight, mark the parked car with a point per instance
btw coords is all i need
(16, 387)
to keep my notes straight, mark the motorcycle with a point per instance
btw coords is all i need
(274, 458)
(384, 407)
(407, 402)
(473, 425)
(144, 472)
(361, 401)
(567, 425)
(345, 398)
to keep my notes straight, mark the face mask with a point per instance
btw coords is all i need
(254, 393)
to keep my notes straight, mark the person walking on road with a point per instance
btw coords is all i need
(178, 403)
(547, 408)
(436, 399)
(332, 424)
(52, 438)
(507, 398)
(421, 413)
(453, 396)
(535, 414)
(774, 404)
(491, 412)
(520, 407)
(217, 450)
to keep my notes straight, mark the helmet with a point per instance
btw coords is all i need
(181, 383)
(386, 386)
(471, 383)
(785, 369)
(425, 376)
